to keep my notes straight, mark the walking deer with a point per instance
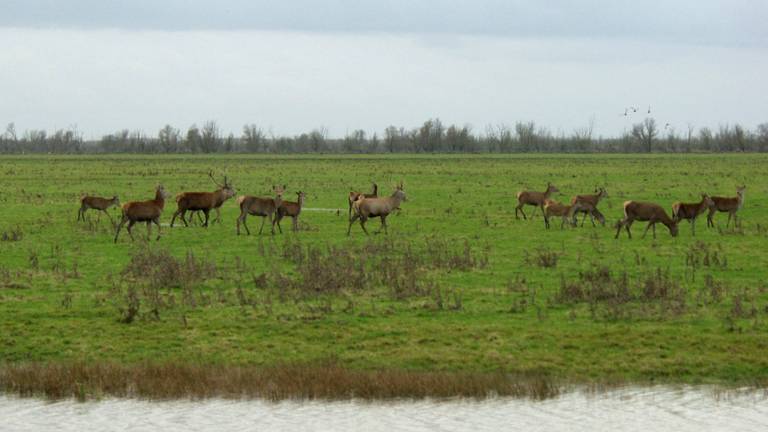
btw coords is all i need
(291, 209)
(588, 206)
(353, 196)
(533, 198)
(691, 211)
(96, 203)
(257, 206)
(565, 211)
(203, 201)
(144, 211)
(644, 211)
(727, 204)
(366, 208)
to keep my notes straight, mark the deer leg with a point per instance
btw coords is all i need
(157, 222)
(218, 215)
(295, 224)
(111, 221)
(263, 219)
(520, 209)
(207, 216)
(242, 218)
(119, 226)
(693, 226)
(79, 212)
(729, 219)
(351, 221)
(362, 224)
(130, 225)
(173, 219)
(384, 224)
(275, 219)
(711, 213)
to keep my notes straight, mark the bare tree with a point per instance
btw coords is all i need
(254, 139)
(645, 133)
(210, 137)
(168, 139)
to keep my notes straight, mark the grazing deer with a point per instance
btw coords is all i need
(589, 206)
(203, 201)
(366, 208)
(256, 206)
(727, 204)
(292, 209)
(353, 196)
(96, 203)
(533, 198)
(644, 211)
(554, 208)
(691, 211)
(144, 211)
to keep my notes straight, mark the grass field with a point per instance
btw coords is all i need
(458, 285)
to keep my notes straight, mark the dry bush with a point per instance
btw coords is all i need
(542, 258)
(615, 297)
(12, 235)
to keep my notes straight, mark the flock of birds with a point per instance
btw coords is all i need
(628, 111)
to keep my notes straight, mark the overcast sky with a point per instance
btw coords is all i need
(290, 66)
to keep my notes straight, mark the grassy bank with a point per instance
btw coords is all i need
(459, 290)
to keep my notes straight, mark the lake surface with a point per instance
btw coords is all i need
(631, 409)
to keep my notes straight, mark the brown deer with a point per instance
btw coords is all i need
(366, 208)
(533, 198)
(291, 209)
(353, 196)
(256, 206)
(144, 211)
(727, 204)
(96, 203)
(589, 206)
(644, 211)
(203, 201)
(554, 208)
(691, 211)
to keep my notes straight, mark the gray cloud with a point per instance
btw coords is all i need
(740, 22)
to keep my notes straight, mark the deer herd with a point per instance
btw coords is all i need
(364, 206)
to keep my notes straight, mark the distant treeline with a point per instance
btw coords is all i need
(431, 137)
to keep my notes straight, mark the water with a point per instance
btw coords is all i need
(632, 409)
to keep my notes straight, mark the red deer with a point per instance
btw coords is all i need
(366, 208)
(256, 206)
(353, 196)
(533, 198)
(589, 206)
(203, 201)
(727, 204)
(144, 211)
(644, 211)
(291, 209)
(96, 203)
(691, 211)
(554, 208)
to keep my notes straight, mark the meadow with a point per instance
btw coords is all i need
(459, 286)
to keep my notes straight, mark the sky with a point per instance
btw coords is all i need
(292, 66)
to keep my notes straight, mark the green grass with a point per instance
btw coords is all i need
(505, 316)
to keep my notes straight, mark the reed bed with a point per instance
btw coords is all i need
(84, 381)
